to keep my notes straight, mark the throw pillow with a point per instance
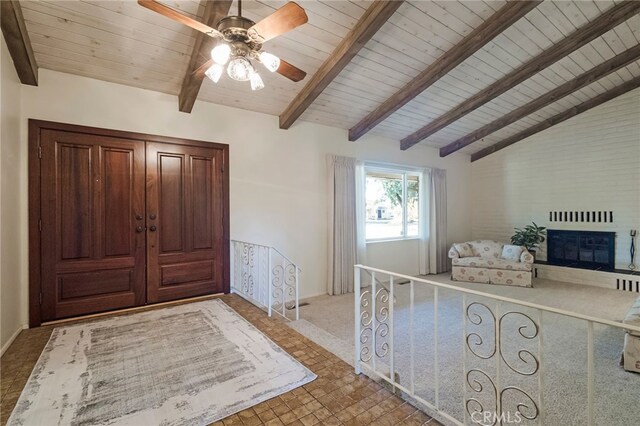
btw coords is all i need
(463, 249)
(510, 252)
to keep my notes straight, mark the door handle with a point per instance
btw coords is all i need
(152, 228)
(139, 229)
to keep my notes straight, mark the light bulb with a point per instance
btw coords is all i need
(270, 62)
(240, 69)
(256, 81)
(220, 53)
(214, 72)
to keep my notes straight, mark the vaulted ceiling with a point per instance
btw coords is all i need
(486, 83)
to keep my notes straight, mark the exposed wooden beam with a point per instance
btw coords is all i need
(509, 14)
(17, 38)
(372, 20)
(214, 11)
(585, 34)
(559, 118)
(596, 73)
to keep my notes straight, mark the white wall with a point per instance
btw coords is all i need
(590, 162)
(278, 177)
(11, 242)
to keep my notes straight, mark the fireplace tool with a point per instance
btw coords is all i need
(632, 250)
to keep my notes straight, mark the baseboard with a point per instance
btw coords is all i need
(11, 339)
(135, 309)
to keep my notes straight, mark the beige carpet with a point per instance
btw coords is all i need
(564, 348)
(191, 364)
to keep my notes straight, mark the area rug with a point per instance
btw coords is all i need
(191, 364)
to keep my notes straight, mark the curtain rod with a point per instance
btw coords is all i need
(396, 165)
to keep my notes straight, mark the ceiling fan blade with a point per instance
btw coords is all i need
(291, 72)
(179, 17)
(279, 22)
(199, 72)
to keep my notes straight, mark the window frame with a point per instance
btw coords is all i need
(399, 170)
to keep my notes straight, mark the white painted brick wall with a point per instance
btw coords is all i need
(590, 162)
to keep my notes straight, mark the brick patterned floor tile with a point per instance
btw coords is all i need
(336, 397)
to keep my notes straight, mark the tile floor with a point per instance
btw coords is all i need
(336, 397)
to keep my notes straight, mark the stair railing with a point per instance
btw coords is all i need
(264, 276)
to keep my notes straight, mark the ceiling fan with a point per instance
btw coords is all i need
(240, 42)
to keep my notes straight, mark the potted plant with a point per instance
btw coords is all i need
(530, 237)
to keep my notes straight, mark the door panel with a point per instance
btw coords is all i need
(171, 202)
(92, 190)
(118, 202)
(74, 172)
(185, 241)
(202, 183)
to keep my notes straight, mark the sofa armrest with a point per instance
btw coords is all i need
(526, 257)
(453, 253)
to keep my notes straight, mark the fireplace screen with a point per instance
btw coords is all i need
(581, 249)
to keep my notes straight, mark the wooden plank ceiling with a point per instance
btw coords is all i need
(120, 41)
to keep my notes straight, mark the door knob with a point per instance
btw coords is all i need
(139, 229)
(152, 228)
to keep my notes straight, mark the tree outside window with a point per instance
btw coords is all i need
(392, 204)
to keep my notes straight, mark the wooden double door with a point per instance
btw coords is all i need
(125, 220)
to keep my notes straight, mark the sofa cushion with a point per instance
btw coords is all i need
(511, 252)
(486, 248)
(633, 317)
(490, 263)
(463, 249)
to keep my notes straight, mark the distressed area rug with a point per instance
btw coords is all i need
(191, 364)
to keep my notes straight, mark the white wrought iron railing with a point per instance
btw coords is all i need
(265, 277)
(470, 357)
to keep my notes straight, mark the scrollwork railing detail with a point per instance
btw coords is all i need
(526, 364)
(522, 353)
(476, 386)
(523, 408)
(381, 317)
(475, 340)
(366, 326)
(283, 279)
(248, 255)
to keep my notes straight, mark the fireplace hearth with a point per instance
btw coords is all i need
(581, 249)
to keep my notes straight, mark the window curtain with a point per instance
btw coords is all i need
(433, 222)
(346, 242)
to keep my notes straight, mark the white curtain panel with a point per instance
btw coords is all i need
(433, 224)
(343, 226)
(423, 226)
(438, 222)
(361, 214)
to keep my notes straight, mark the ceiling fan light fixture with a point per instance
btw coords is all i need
(270, 62)
(256, 81)
(240, 69)
(214, 72)
(220, 54)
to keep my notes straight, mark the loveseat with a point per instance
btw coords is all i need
(491, 262)
(631, 355)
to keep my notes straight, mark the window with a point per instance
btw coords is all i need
(392, 204)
